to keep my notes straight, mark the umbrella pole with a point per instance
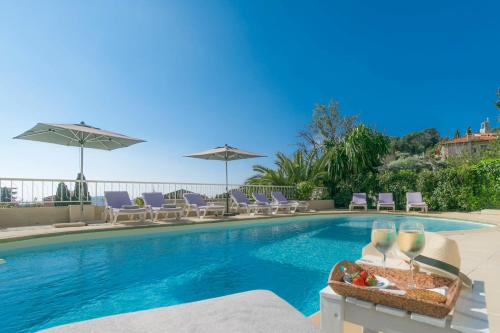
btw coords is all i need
(80, 185)
(227, 192)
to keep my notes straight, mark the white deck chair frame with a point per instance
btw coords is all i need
(201, 208)
(114, 212)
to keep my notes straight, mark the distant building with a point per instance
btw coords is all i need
(471, 143)
(485, 126)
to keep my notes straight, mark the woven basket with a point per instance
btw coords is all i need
(400, 278)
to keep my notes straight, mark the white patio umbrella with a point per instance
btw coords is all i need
(78, 135)
(226, 154)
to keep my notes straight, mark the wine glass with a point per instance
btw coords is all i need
(383, 237)
(411, 241)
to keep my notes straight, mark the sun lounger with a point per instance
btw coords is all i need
(118, 203)
(278, 197)
(195, 202)
(240, 201)
(386, 200)
(414, 200)
(155, 204)
(261, 199)
(358, 200)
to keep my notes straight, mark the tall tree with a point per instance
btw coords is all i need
(498, 95)
(85, 190)
(416, 142)
(5, 194)
(328, 126)
(63, 195)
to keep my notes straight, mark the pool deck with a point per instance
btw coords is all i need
(480, 249)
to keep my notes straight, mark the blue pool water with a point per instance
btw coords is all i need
(47, 285)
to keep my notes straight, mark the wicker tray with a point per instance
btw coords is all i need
(400, 278)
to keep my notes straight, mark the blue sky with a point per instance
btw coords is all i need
(190, 75)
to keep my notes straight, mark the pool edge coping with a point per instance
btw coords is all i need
(208, 223)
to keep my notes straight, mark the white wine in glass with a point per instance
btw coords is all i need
(411, 241)
(383, 237)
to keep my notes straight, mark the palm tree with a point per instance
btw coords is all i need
(301, 167)
(360, 151)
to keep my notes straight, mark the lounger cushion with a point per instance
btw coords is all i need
(239, 197)
(129, 211)
(153, 199)
(131, 207)
(213, 207)
(167, 209)
(247, 312)
(169, 206)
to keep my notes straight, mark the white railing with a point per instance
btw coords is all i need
(26, 192)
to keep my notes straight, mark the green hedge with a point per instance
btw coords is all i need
(398, 183)
(466, 187)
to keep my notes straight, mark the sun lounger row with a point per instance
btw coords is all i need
(118, 203)
(263, 204)
(386, 200)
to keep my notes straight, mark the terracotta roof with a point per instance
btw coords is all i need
(474, 137)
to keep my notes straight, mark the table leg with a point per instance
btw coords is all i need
(332, 315)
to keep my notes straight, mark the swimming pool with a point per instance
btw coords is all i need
(72, 280)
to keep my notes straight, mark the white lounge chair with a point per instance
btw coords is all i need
(414, 200)
(278, 197)
(386, 200)
(118, 203)
(195, 202)
(155, 204)
(358, 200)
(240, 201)
(261, 199)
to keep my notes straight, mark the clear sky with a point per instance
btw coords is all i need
(191, 75)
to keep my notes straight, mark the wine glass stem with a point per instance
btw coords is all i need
(412, 268)
(383, 263)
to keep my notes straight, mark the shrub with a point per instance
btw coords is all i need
(486, 176)
(139, 201)
(464, 187)
(366, 182)
(398, 182)
(304, 190)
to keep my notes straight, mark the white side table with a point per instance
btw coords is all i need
(468, 316)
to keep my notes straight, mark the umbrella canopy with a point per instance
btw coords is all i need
(225, 153)
(78, 135)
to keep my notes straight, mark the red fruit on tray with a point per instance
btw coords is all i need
(363, 274)
(358, 281)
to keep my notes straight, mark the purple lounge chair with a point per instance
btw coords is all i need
(195, 202)
(261, 199)
(358, 200)
(278, 197)
(119, 203)
(414, 200)
(386, 200)
(240, 201)
(155, 204)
